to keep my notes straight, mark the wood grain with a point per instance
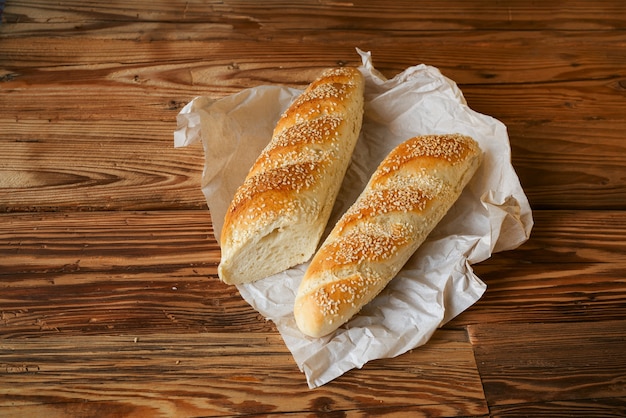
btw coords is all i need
(558, 55)
(567, 166)
(585, 170)
(193, 375)
(182, 65)
(277, 15)
(554, 101)
(605, 407)
(109, 300)
(112, 165)
(534, 362)
(570, 270)
(107, 241)
(97, 165)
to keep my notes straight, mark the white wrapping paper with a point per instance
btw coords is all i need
(437, 283)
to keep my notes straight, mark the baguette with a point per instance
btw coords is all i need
(278, 215)
(408, 194)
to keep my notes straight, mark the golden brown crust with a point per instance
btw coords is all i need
(289, 191)
(407, 195)
(264, 192)
(326, 95)
(335, 302)
(368, 242)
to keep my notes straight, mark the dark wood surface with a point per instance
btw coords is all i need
(110, 303)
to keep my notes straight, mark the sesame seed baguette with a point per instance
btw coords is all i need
(278, 215)
(408, 194)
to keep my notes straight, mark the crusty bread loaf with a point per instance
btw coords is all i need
(278, 215)
(408, 194)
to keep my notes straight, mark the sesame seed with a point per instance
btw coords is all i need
(316, 131)
(370, 241)
(348, 291)
(451, 148)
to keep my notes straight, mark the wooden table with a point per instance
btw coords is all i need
(109, 300)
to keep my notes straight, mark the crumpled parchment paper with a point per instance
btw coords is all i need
(437, 283)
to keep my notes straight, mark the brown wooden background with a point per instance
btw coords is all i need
(109, 300)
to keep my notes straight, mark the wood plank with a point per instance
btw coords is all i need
(171, 299)
(105, 241)
(89, 272)
(132, 165)
(158, 55)
(187, 237)
(193, 374)
(605, 407)
(565, 165)
(570, 270)
(570, 237)
(276, 15)
(549, 293)
(530, 363)
(97, 165)
(603, 100)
